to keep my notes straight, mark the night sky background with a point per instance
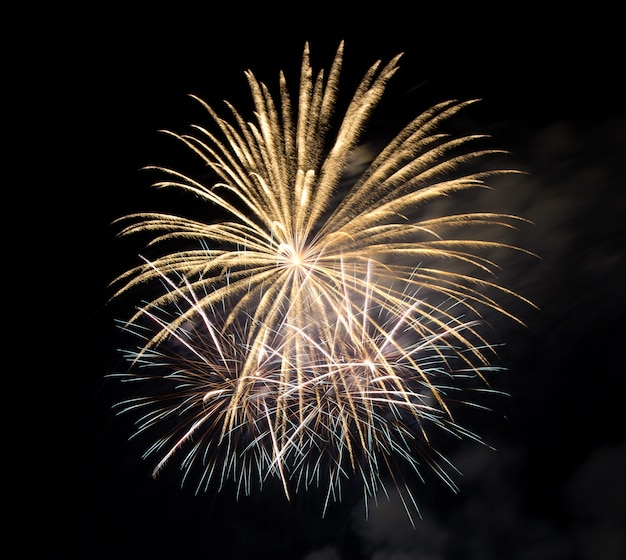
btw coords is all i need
(551, 90)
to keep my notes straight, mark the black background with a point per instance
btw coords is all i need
(101, 84)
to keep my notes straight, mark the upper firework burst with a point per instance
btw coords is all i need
(352, 296)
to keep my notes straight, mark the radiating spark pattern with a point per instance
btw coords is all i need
(314, 334)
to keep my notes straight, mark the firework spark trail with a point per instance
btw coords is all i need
(297, 337)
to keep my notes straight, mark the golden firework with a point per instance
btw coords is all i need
(313, 325)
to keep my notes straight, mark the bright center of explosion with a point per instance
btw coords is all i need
(291, 256)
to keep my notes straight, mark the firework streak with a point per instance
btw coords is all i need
(316, 333)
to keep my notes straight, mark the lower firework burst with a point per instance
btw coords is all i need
(315, 335)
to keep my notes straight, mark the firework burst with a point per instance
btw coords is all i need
(313, 334)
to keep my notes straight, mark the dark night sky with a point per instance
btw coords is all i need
(555, 486)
